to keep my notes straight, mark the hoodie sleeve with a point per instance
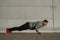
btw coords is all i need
(37, 29)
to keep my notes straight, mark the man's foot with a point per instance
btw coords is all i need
(8, 31)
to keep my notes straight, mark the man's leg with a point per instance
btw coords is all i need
(20, 28)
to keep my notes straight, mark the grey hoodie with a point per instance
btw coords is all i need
(36, 25)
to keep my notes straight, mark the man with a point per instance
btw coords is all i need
(29, 25)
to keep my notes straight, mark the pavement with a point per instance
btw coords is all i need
(30, 36)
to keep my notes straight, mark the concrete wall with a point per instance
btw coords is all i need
(17, 12)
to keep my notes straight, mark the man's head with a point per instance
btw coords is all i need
(45, 22)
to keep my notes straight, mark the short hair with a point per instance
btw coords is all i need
(46, 21)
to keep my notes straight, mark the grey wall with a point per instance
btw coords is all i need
(17, 12)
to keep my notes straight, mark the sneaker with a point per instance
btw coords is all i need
(8, 31)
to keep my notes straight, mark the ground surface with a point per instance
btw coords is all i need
(30, 36)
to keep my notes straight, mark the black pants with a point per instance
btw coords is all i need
(20, 28)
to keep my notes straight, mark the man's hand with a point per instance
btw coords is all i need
(39, 33)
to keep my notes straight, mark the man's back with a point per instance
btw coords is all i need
(37, 24)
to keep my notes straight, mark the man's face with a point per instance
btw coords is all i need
(45, 23)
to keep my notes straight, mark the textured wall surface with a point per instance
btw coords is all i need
(17, 12)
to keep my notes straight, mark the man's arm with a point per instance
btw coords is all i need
(37, 30)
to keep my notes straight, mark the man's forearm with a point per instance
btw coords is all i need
(37, 30)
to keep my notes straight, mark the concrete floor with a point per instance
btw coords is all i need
(30, 36)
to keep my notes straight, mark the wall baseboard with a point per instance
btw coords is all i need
(33, 31)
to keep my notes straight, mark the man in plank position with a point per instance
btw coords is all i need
(29, 25)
